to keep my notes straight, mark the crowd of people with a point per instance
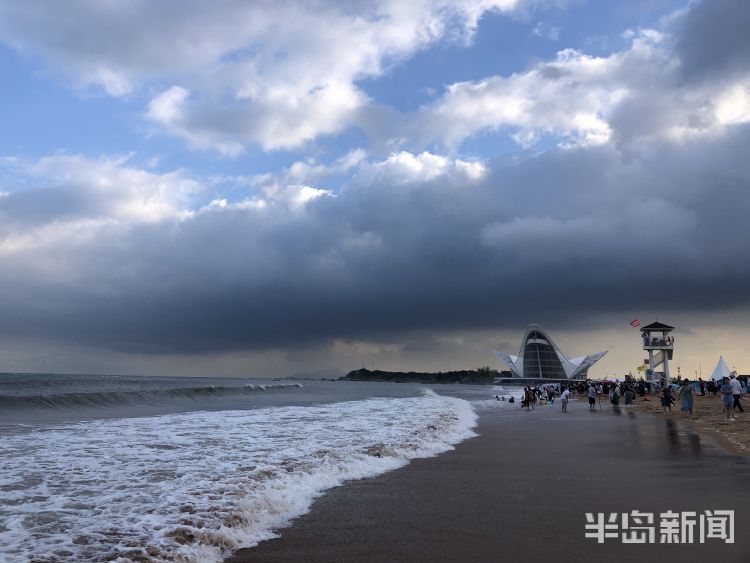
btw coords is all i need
(731, 390)
(533, 396)
(545, 394)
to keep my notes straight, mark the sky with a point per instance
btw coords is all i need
(269, 188)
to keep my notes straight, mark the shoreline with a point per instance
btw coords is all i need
(707, 419)
(519, 491)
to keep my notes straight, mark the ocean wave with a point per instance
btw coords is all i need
(111, 398)
(196, 486)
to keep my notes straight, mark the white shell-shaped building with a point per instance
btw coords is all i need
(540, 358)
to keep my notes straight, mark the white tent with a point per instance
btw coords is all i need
(721, 370)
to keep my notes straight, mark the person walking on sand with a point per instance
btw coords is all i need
(564, 399)
(687, 394)
(592, 398)
(736, 393)
(666, 398)
(727, 400)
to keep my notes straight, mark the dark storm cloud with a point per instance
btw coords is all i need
(412, 244)
(713, 37)
(568, 234)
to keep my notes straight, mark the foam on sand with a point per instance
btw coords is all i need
(195, 486)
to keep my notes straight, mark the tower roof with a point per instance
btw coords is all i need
(657, 326)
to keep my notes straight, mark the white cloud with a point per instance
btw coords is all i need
(570, 97)
(298, 196)
(67, 197)
(311, 171)
(547, 31)
(112, 83)
(282, 74)
(733, 105)
(407, 168)
(633, 95)
(278, 74)
(166, 108)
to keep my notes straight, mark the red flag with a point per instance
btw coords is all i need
(635, 323)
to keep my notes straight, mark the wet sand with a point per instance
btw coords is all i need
(520, 491)
(707, 419)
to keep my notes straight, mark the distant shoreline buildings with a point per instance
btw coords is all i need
(539, 358)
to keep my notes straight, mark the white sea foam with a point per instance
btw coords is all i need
(193, 487)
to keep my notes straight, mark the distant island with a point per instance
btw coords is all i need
(481, 376)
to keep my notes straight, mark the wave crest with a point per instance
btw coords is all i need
(112, 398)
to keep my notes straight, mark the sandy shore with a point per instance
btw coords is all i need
(708, 419)
(520, 491)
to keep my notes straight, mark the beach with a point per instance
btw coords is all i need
(707, 419)
(520, 491)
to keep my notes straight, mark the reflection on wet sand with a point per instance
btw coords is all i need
(676, 445)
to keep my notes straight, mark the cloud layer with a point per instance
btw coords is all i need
(629, 190)
(413, 242)
(276, 74)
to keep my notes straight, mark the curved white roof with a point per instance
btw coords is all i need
(571, 366)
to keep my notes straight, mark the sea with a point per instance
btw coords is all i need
(126, 468)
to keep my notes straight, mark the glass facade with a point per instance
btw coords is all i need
(540, 358)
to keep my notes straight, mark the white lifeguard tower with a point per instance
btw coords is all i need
(660, 348)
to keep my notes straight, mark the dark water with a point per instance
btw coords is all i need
(30, 399)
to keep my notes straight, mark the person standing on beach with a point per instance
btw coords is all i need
(666, 398)
(527, 398)
(687, 394)
(592, 398)
(727, 399)
(629, 395)
(564, 399)
(703, 386)
(615, 400)
(736, 393)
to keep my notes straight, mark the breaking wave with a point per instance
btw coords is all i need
(112, 398)
(196, 486)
